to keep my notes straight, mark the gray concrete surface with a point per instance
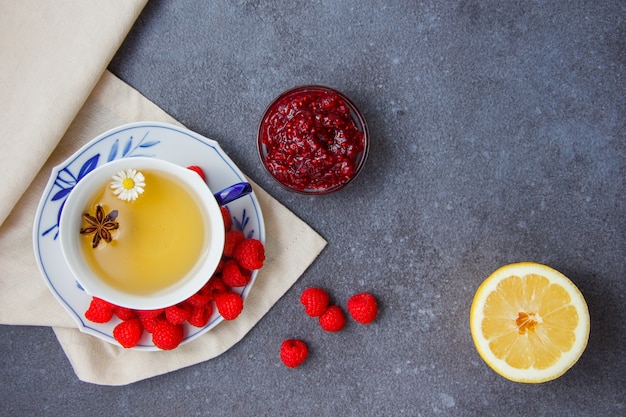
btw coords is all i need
(498, 135)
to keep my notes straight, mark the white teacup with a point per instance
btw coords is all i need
(208, 233)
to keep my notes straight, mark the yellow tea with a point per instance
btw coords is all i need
(159, 239)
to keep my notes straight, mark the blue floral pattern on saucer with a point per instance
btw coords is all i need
(66, 179)
(147, 139)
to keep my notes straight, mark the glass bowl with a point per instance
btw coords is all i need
(313, 140)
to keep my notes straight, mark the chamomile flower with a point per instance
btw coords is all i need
(127, 185)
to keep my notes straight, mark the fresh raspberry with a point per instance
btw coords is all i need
(199, 316)
(220, 266)
(363, 307)
(333, 319)
(167, 336)
(198, 300)
(128, 332)
(250, 254)
(198, 170)
(293, 352)
(99, 311)
(151, 313)
(213, 287)
(177, 314)
(231, 240)
(149, 323)
(229, 304)
(233, 276)
(150, 318)
(228, 221)
(124, 313)
(104, 303)
(315, 301)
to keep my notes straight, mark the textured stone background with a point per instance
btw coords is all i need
(498, 135)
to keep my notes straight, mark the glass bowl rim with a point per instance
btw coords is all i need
(357, 117)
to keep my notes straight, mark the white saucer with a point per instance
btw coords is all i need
(151, 139)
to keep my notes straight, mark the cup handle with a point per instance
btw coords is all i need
(232, 193)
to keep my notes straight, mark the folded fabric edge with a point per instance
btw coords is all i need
(109, 364)
(84, 86)
(81, 348)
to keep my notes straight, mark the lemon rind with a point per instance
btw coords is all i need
(531, 375)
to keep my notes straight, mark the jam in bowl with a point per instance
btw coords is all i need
(313, 140)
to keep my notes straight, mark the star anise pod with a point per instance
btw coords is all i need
(101, 225)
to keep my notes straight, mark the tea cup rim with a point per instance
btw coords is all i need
(71, 220)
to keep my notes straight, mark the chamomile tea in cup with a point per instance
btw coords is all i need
(142, 233)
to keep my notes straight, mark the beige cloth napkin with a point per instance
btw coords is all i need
(291, 246)
(52, 55)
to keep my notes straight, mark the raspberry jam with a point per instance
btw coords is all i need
(313, 140)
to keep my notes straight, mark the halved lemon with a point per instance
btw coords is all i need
(529, 322)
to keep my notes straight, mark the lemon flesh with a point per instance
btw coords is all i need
(529, 322)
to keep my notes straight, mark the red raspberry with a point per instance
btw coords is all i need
(150, 318)
(198, 170)
(177, 314)
(213, 287)
(233, 276)
(250, 254)
(151, 313)
(124, 313)
(199, 316)
(229, 304)
(198, 300)
(231, 240)
(293, 352)
(128, 332)
(228, 221)
(220, 266)
(103, 303)
(149, 323)
(333, 319)
(167, 336)
(315, 301)
(99, 311)
(363, 307)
